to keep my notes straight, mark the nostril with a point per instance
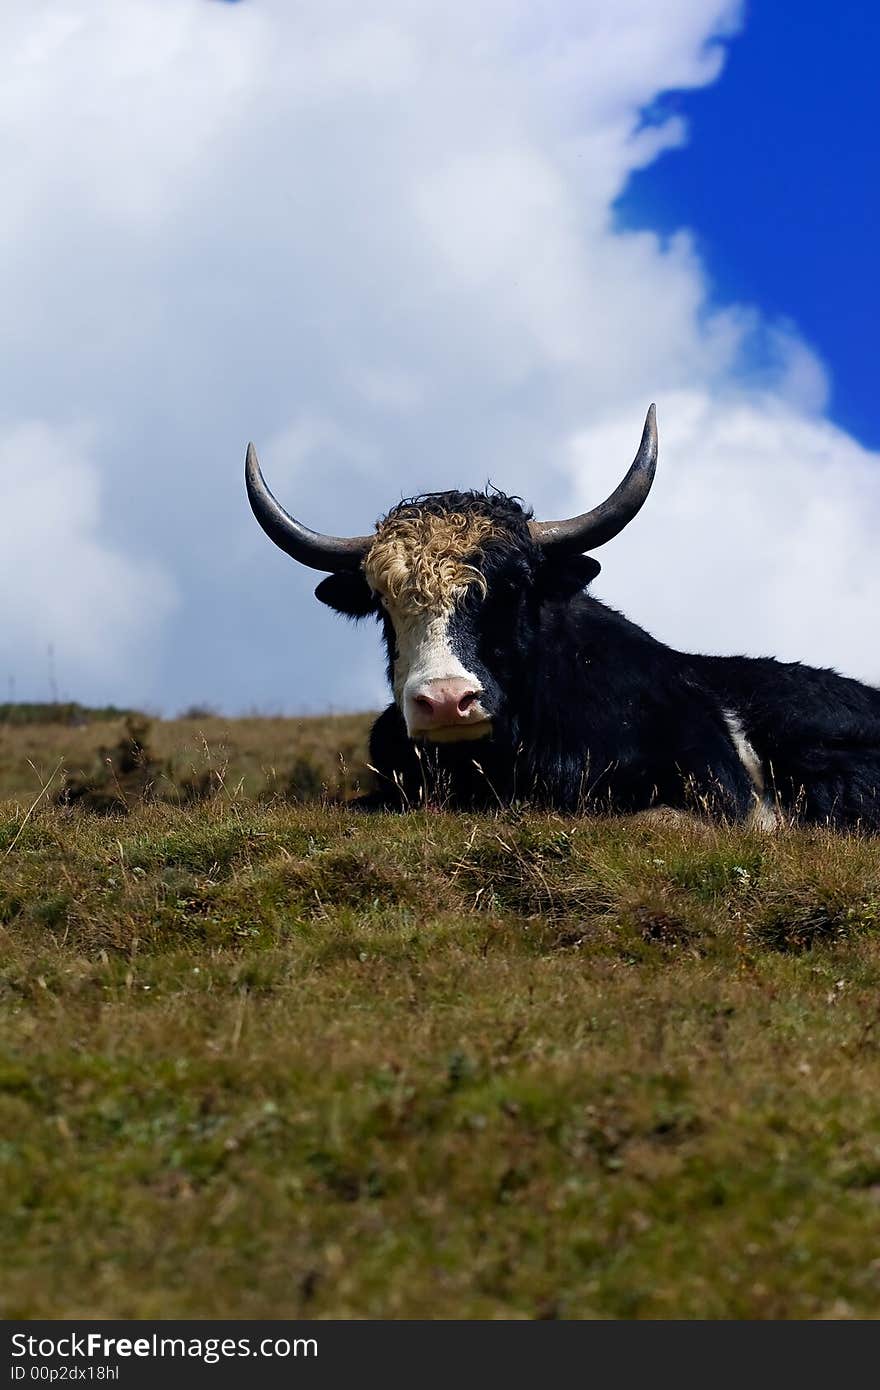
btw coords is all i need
(440, 703)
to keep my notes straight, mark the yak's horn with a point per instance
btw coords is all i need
(329, 553)
(603, 523)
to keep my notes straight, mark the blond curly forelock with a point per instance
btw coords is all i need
(420, 560)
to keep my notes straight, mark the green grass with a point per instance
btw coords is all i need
(267, 1058)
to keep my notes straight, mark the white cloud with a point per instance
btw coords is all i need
(77, 611)
(378, 239)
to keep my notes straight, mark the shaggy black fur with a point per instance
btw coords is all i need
(589, 710)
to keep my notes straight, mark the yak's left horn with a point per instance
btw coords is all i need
(331, 553)
(604, 522)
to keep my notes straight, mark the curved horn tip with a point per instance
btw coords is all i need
(603, 523)
(328, 553)
(253, 473)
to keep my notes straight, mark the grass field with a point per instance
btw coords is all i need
(263, 1056)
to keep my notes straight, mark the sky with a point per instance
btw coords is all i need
(779, 181)
(413, 246)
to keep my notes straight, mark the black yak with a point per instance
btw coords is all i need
(512, 683)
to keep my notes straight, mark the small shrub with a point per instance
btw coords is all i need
(201, 786)
(304, 782)
(199, 712)
(122, 777)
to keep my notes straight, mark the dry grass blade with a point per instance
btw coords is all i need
(33, 806)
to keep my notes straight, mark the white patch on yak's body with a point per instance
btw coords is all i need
(764, 815)
(745, 752)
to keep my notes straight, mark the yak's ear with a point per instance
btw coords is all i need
(564, 578)
(347, 593)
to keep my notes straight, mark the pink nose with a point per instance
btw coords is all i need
(438, 703)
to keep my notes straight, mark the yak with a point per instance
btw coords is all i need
(512, 683)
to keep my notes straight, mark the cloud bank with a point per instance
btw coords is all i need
(379, 240)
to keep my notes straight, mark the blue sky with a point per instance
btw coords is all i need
(780, 181)
(412, 247)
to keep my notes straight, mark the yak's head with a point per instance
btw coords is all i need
(457, 579)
